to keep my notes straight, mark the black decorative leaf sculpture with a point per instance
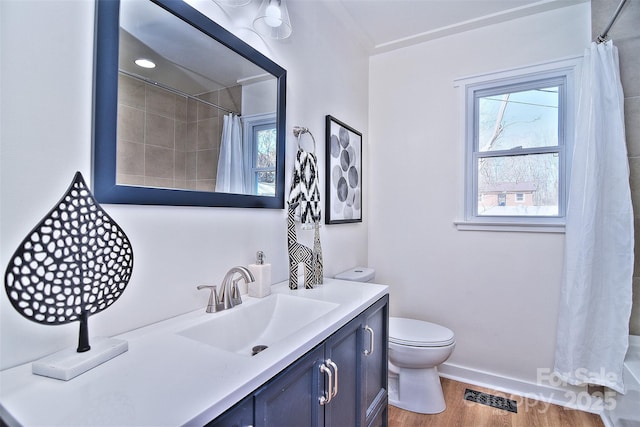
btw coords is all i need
(75, 263)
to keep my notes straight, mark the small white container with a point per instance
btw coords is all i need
(261, 286)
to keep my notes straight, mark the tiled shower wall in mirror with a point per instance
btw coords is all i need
(167, 140)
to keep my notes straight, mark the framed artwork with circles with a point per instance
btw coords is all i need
(343, 174)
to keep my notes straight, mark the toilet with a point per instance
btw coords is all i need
(416, 348)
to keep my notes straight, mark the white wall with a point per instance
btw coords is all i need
(498, 291)
(46, 94)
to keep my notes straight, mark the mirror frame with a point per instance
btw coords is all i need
(105, 112)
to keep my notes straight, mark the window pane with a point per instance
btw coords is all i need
(523, 119)
(518, 185)
(266, 148)
(266, 183)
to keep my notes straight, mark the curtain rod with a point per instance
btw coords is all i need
(176, 91)
(603, 37)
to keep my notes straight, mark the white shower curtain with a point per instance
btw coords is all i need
(230, 176)
(595, 305)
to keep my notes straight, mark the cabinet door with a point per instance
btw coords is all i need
(292, 398)
(342, 348)
(374, 355)
(240, 415)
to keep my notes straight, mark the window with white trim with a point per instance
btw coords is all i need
(260, 141)
(518, 131)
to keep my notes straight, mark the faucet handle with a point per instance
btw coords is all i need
(235, 292)
(214, 303)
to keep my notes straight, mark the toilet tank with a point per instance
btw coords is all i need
(357, 274)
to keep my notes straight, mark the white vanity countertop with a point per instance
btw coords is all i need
(166, 379)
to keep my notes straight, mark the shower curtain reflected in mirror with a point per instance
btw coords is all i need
(231, 168)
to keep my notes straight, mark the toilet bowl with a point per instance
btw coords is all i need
(416, 348)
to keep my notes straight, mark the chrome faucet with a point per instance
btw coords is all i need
(229, 293)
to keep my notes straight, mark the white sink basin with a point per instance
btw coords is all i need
(264, 323)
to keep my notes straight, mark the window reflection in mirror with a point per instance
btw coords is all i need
(260, 142)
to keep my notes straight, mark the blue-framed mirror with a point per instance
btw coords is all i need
(204, 126)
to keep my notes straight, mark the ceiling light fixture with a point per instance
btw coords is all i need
(272, 20)
(145, 63)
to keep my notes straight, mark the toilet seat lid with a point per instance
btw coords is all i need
(419, 333)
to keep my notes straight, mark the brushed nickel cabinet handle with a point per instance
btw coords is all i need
(335, 376)
(326, 397)
(371, 341)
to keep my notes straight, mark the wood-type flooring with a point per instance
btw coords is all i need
(462, 413)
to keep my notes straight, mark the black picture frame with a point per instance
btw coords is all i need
(343, 174)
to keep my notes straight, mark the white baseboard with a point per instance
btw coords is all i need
(533, 395)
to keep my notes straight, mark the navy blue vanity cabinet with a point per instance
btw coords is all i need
(305, 394)
(291, 398)
(240, 415)
(375, 333)
(359, 350)
(343, 349)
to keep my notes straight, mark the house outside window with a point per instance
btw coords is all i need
(506, 196)
(519, 128)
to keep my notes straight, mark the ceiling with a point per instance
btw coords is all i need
(384, 25)
(380, 26)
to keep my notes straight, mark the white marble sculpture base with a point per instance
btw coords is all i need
(68, 363)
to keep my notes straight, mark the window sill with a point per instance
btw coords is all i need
(509, 226)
